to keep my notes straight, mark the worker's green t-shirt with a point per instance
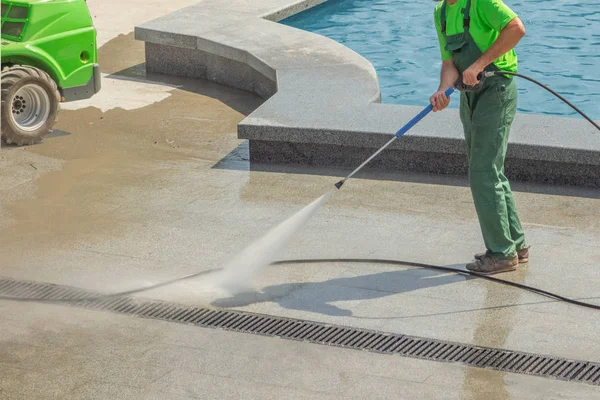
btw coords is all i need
(488, 18)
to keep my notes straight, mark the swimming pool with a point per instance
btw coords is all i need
(561, 48)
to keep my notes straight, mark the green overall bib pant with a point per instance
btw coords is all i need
(487, 115)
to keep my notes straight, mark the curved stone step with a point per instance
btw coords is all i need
(323, 100)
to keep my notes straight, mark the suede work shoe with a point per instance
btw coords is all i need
(523, 255)
(488, 265)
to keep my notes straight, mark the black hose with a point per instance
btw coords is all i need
(315, 261)
(445, 269)
(551, 91)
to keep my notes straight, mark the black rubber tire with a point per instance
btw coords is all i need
(13, 78)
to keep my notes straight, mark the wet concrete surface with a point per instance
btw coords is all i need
(126, 198)
(97, 158)
(68, 353)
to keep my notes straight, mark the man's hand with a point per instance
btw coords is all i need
(507, 40)
(470, 75)
(448, 76)
(439, 100)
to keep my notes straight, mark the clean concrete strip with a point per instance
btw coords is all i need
(323, 98)
(310, 331)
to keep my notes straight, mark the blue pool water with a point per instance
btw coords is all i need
(561, 48)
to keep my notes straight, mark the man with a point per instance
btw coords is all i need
(478, 35)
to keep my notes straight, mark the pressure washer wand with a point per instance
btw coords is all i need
(401, 132)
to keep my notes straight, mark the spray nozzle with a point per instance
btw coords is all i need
(340, 184)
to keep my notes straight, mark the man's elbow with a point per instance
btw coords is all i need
(518, 27)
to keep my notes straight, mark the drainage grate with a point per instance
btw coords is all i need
(314, 332)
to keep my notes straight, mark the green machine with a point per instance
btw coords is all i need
(49, 56)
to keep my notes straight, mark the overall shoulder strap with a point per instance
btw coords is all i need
(467, 16)
(443, 17)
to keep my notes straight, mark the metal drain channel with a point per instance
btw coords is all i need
(314, 332)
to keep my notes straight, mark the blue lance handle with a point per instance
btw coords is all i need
(420, 116)
(401, 132)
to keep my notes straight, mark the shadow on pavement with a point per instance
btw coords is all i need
(318, 297)
(229, 96)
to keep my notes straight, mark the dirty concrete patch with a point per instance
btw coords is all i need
(125, 91)
(104, 156)
(119, 53)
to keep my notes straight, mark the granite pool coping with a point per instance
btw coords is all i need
(322, 100)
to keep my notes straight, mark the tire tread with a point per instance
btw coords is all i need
(10, 77)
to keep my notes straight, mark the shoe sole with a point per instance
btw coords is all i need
(500, 271)
(521, 260)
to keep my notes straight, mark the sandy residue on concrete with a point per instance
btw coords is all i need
(104, 156)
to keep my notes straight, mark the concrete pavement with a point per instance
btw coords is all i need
(67, 353)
